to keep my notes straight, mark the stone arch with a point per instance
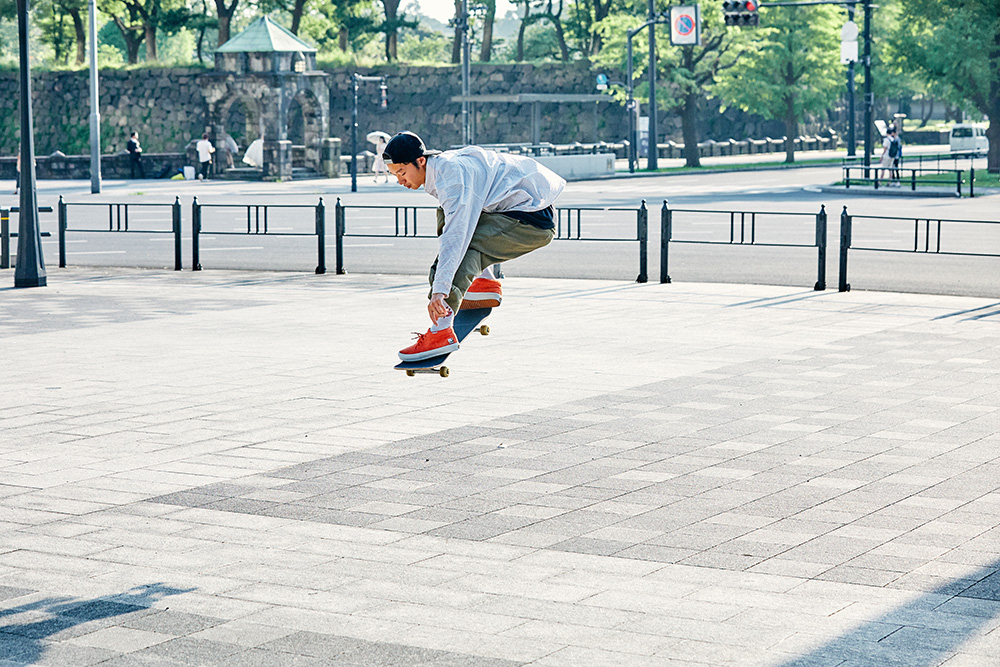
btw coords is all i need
(239, 115)
(303, 117)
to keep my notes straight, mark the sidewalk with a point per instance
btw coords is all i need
(222, 468)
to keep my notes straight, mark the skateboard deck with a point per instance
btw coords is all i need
(466, 321)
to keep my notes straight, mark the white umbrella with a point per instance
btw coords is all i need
(374, 137)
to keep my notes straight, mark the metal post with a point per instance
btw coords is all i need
(821, 248)
(845, 245)
(354, 137)
(30, 268)
(972, 181)
(666, 232)
(466, 58)
(176, 219)
(195, 231)
(652, 152)
(338, 223)
(869, 96)
(321, 237)
(851, 104)
(95, 113)
(4, 238)
(643, 234)
(63, 223)
(633, 128)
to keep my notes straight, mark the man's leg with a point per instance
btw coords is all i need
(497, 239)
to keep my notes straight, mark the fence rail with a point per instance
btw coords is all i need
(120, 221)
(931, 241)
(955, 179)
(405, 225)
(6, 235)
(257, 224)
(742, 231)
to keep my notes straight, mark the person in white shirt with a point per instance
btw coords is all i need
(494, 207)
(205, 150)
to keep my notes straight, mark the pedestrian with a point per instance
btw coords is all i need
(135, 156)
(896, 153)
(205, 150)
(378, 164)
(230, 148)
(885, 162)
(493, 207)
(17, 174)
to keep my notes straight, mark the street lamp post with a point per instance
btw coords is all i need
(95, 114)
(852, 142)
(651, 152)
(633, 125)
(30, 268)
(358, 80)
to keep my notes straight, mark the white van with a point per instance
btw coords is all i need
(967, 137)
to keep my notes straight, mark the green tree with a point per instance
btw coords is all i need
(548, 11)
(956, 44)
(791, 68)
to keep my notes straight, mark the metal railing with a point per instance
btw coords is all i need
(6, 235)
(927, 239)
(257, 223)
(121, 218)
(742, 231)
(871, 175)
(404, 224)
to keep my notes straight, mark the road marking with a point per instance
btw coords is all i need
(217, 249)
(100, 252)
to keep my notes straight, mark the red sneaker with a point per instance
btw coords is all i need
(483, 293)
(430, 344)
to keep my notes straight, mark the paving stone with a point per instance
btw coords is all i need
(809, 469)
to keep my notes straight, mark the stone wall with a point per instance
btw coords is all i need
(167, 108)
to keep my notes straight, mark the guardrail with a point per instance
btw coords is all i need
(931, 242)
(6, 235)
(742, 231)
(120, 221)
(871, 176)
(405, 225)
(257, 220)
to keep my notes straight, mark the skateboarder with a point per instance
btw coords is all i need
(494, 207)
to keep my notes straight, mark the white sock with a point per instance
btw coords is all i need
(487, 274)
(443, 323)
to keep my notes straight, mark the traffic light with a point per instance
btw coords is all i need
(741, 12)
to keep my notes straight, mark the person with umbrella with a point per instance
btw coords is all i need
(378, 165)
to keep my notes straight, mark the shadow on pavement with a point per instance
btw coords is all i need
(21, 643)
(922, 633)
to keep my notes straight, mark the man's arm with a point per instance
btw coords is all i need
(462, 191)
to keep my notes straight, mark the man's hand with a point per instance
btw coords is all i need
(437, 307)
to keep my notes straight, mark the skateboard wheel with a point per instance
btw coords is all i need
(444, 371)
(485, 330)
(411, 373)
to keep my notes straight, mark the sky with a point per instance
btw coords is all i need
(444, 10)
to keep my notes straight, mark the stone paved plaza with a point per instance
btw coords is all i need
(222, 468)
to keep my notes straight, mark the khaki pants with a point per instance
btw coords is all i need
(497, 238)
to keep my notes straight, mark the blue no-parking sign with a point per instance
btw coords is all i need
(685, 26)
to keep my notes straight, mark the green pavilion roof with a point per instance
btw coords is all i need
(265, 36)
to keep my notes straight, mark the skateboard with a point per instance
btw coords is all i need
(465, 323)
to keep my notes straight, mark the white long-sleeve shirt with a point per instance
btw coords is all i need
(470, 181)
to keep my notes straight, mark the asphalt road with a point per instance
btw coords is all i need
(773, 209)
